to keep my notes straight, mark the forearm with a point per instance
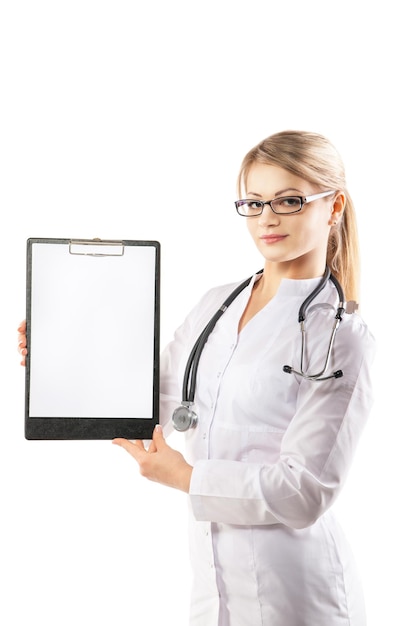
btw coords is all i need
(233, 492)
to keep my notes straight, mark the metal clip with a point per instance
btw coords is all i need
(96, 247)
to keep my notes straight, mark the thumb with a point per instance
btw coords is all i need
(158, 436)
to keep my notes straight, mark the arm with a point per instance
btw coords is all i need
(316, 451)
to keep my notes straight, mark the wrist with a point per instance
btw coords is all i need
(185, 479)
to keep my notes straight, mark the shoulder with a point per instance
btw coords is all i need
(221, 293)
(205, 308)
(213, 299)
(353, 329)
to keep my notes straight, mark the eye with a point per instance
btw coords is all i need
(287, 204)
(249, 208)
(290, 201)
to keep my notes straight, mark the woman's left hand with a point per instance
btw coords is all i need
(159, 462)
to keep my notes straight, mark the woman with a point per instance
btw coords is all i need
(271, 448)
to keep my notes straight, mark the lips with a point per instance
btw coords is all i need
(268, 239)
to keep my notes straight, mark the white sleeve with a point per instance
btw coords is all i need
(316, 452)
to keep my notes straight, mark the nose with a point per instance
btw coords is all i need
(268, 216)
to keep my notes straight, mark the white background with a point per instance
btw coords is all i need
(129, 119)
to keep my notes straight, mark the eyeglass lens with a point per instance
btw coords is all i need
(287, 204)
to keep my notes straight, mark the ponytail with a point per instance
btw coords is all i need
(343, 251)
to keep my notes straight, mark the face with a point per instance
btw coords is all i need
(296, 242)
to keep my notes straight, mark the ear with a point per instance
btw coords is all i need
(337, 208)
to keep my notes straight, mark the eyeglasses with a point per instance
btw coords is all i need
(286, 205)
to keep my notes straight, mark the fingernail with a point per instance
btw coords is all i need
(158, 428)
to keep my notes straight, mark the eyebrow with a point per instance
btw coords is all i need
(278, 193)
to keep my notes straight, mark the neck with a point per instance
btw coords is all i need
(274, 273)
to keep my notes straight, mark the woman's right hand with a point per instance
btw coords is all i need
(21, 342)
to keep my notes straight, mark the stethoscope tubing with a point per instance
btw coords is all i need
(301, 319)
(190, 373)
(184, 418)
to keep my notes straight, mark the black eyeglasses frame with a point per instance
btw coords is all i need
(303, 200)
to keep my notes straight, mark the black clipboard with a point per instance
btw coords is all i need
(93, 326)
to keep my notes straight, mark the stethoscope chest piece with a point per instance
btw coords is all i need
(183, 418)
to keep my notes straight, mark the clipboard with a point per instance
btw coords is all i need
(93, 325)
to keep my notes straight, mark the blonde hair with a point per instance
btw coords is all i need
(313, 158)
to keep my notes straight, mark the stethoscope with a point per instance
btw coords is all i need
(184, 417)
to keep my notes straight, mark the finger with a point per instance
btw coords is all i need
(23, 353)
(22, 327)
(158, 438)
(134, 448)
(152, 447)
(129, 444)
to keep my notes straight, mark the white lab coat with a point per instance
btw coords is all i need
(270, 454)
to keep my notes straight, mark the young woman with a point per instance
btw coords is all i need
(272, 415)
